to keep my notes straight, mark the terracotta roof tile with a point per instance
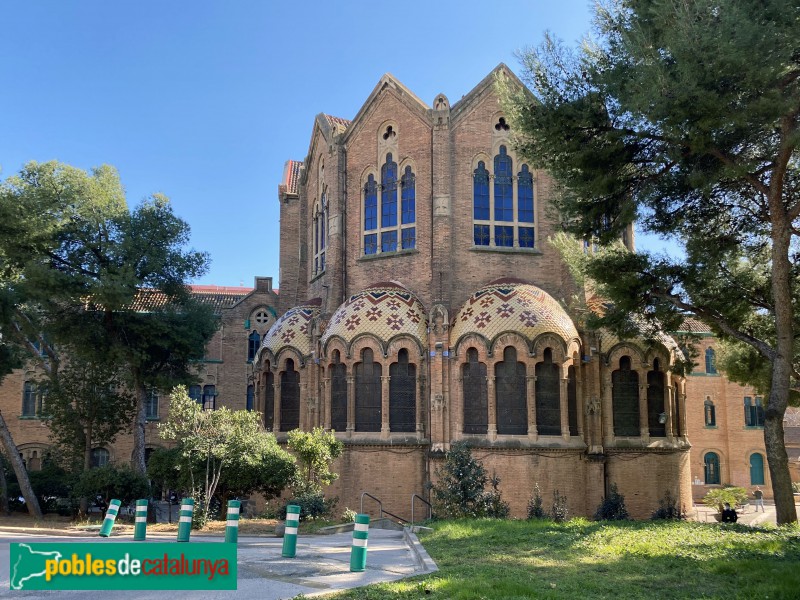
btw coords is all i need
(291, 177)
(694, 326)
(218, 297)
(337, 122)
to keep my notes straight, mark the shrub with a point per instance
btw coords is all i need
(729, 494)
(313, 505)
(460, 489)
(536, 504)
(495, 508)
(560, 511)
(109, 482)
(349, 515)
(668, 508)
(612, 508)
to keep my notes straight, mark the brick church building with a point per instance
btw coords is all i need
(420, 304)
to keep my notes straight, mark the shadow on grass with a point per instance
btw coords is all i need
(509, 560)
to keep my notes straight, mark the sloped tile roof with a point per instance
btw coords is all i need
(512, 305)
(337, 122)
(692, 325)
(218, 297)
(291, 177)
(384, 310)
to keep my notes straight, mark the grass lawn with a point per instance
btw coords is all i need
(583, 559)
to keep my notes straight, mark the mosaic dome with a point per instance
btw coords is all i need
(384, 310)
(512, 305)
(292, 330)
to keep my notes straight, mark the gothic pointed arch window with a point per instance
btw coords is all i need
(338, 374)
(475, 392)
(503, 213)
(625, 399)
(403, 394)
(370, 216)
(269, 400)
(408, 210)
(572, 401)
(368, 393)
(480, 205)
(511, 397)
(320, 225)
(290, 397)
(253, 344)
(548, 396)
(389, 226)
(656, 415)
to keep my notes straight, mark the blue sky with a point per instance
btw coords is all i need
(205, 101)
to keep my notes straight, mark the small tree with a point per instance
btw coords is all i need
(461, 487)
(536, 504)
(668, 508)
(560, 511)
(221, 441)
(315, 451)
(612, 508)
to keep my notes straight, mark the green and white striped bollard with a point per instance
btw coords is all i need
(358, 553)
(185, 520)
(290, 533)
(111, 516)
(140, 526)
(232, 525)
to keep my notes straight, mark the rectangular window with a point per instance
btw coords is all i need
(753, 412)
(151, 406)
(371, 214)
(209, 397)
(504, 236)
(29, 400)
(389, 241)
(196, 393)
(526, 237)
(371, 243)
(481, 233)
(409, 238)
(481, 202)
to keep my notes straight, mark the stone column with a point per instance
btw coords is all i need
(351, 405)
(492, 400)
(276, 424)
(385, 406)
(607, 411)
(564, 403)
(530, 389)
(325, 404)
(644, 425)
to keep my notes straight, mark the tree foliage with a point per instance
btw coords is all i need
(686, 117)
(315, 451)
(113, 482)
(225, 447)
(460, 490)
(86, 407)
(78, 267)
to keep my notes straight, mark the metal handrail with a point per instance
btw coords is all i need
(380, 504)
(430, 507)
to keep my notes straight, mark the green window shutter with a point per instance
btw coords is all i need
(247, 323)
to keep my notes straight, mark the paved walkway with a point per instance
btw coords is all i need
(747, 516)
(322, 565)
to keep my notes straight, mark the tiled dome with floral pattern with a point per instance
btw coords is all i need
(384, 310)
(292, 330)
(512, 305)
